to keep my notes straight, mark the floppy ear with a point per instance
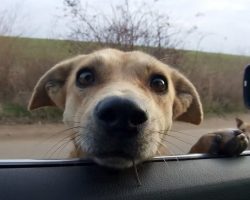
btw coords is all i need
(187, 105)
(239, 122)
(50, 89)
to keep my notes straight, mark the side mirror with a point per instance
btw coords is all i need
(246, 86)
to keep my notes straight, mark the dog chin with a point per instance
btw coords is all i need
(115, 162)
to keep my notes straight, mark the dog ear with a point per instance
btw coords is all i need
(187, 105)
(50, 89)
(239, 122)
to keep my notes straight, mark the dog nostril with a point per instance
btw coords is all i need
(138, 117)
(108, 115)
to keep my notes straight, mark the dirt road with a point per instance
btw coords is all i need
(50, 141)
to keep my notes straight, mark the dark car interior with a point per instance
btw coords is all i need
(177, 177)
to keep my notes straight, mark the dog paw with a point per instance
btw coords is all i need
(232, 142)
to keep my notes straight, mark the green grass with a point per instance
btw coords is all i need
(18, 113)
(63, 49)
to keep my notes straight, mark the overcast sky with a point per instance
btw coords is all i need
(223, 25)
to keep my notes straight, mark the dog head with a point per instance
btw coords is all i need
(120, 103)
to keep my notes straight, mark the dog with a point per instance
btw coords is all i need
(122, 104)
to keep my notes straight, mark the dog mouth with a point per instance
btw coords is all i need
(115, 159)
(111, 154)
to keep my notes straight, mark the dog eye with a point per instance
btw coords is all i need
(85, 78)
(159, 84)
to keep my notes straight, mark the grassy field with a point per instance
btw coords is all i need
(218, 77)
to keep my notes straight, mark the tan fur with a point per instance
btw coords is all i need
(124, 74)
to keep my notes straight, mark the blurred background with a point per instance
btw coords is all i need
(206, 40)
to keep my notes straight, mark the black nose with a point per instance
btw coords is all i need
(121, 115)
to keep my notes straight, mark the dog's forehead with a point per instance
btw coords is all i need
(132, 60)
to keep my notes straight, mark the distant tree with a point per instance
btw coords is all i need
(124, 28)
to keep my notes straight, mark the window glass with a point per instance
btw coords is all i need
(204, 40)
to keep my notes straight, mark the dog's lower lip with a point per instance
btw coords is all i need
(119, 154)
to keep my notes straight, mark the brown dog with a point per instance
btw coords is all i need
(122, 104)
